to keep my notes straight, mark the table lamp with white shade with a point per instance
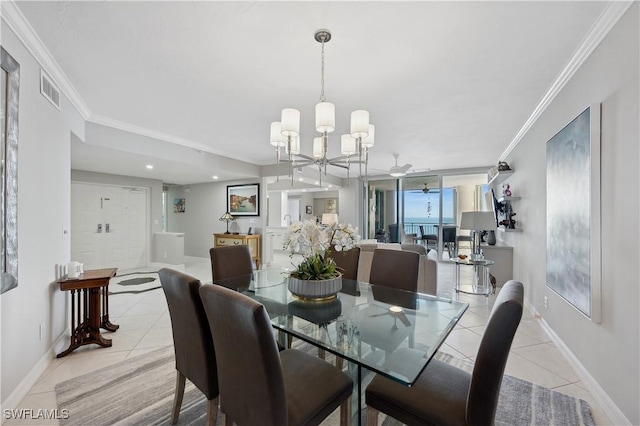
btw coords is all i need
(329, 219)
(477, 222)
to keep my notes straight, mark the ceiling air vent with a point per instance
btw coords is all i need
(49, 90)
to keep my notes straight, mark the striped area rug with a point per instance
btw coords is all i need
(139, 391)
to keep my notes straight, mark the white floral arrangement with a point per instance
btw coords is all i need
(313, 242)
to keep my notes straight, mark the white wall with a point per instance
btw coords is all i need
(44, 194)
(350, 197)
(306, 199)
(205, 203)
(275, 208)
(609, 350)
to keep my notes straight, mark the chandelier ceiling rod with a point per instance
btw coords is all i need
(286, 133)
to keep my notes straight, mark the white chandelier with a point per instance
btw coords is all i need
(286, 133)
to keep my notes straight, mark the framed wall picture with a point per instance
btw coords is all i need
(179, 205)
(309, 210)
(243, 200)
(573, 213)
(10, 70)
(331, 205)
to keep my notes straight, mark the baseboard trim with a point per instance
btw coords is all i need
(609, 407)
(30, 379)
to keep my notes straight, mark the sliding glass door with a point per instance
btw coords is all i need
(425, 210)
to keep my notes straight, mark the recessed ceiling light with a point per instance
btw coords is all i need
(215, 177)
(300, 179)
(326, 189)
(149, 166)
(329, 186)
(304, 190)
(317, 183)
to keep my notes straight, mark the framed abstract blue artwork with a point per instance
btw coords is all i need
(573, 213)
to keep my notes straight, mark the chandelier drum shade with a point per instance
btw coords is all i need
(354, 146)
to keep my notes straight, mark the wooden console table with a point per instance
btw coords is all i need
(253, 241)
(86, 308)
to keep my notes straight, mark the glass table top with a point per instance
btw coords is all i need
(391, 332)
(469, 261)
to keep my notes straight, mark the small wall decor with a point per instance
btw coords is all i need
(309, 210)
(573, 213)
(178, 205)
(243, 200)
(503, 166)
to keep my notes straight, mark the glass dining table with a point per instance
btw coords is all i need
(390, 332)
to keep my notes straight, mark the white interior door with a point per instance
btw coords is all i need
(86, 226)
(108, 226)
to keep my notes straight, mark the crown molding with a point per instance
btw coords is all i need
(26, 34)
(606, 21)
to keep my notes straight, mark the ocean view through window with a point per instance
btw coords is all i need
(423, 209)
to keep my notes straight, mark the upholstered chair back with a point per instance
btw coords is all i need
(395, 268)
(230, 261)
(251, 382)
(347, 262)
(492, 354)
(193, 345)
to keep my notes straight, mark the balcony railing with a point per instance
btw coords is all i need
(429, 228)
(409, 228)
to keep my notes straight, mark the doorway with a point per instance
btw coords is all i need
(293, 209)
(109, 226)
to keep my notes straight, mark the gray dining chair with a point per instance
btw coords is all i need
(395, 268)
(230, 261)
(192, 342)
(449, 233)
(347, 262)
(258, 384)
(429, 240)
(446, 395)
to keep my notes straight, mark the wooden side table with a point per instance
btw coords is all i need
(86, 309)
(253, 241)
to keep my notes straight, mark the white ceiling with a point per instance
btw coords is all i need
(447, 84)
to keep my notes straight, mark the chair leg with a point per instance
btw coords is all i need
(177, 399)
(321, 353)
(212, 411)
(345, 412)
(372, 416)
(339, 362)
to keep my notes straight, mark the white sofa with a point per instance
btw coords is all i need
(427, 272)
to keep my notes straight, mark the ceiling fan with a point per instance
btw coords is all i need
(427, 190)
(397, 171)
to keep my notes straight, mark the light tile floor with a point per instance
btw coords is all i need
(145, 325)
